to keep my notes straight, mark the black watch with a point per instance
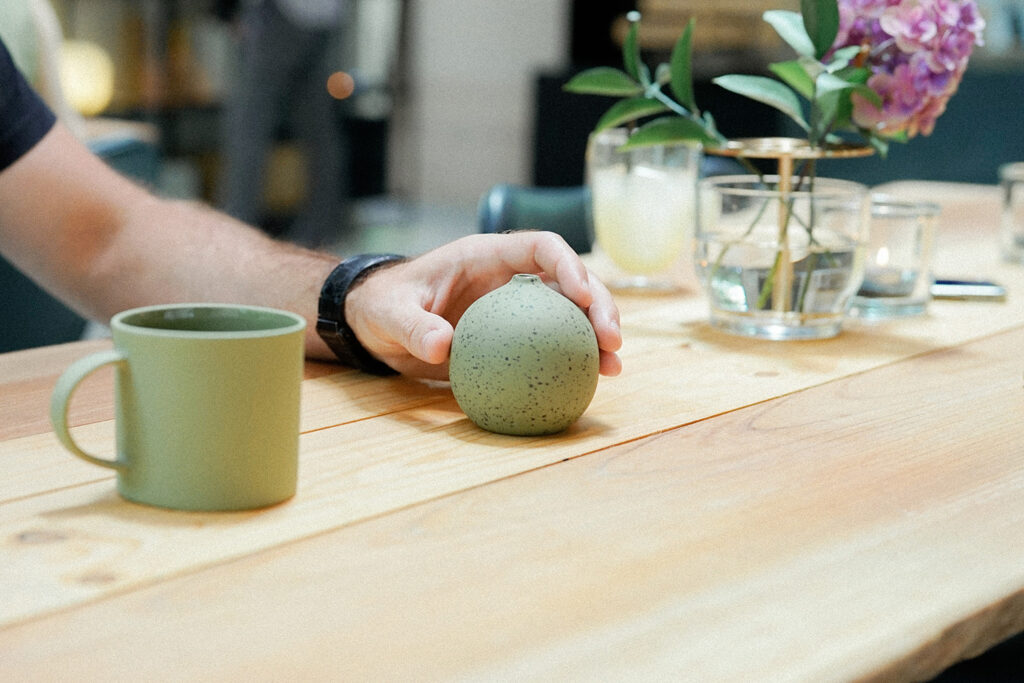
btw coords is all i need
(331, 324)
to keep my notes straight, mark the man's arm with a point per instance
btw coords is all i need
(103, 244)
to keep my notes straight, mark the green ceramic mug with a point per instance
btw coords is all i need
(207, 405)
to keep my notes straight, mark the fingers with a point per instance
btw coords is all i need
(604, 316)
(558, 260)
(610, 364)
(405, 314)
(550, 254)
(434, 344)
(386, 314)
(532, 252)
(425, 336)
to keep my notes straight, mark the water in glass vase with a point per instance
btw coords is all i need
(781, 263)
(753, 293)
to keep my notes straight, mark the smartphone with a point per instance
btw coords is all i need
(968, 290)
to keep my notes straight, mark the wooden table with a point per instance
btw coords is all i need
(727, 509)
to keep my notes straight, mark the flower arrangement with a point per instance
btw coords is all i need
(866, 73)
(882, 70)
(917, 52)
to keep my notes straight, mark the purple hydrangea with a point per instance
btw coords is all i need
(917, 51)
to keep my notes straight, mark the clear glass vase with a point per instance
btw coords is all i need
(781, 262)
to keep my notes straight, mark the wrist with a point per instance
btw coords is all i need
(332, 325)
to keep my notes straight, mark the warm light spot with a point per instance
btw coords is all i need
(87, 76)
(340, 85)
(882, 256)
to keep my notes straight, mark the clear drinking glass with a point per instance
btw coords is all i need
(781, 263)
(897, 271)
(1011, 177)
(644, 210)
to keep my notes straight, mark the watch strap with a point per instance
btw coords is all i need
(331, 324)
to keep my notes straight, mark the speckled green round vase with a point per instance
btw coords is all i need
(524, 360)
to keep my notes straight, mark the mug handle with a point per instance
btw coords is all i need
(66, 384)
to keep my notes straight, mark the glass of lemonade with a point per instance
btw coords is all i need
(644, 204)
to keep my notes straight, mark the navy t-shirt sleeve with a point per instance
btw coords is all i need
(24, 117)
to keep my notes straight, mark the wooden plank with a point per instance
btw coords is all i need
(28, 380)
(865, 528)
(716, 373)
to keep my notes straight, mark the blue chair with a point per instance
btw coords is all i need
(131, 156)
(562, 210)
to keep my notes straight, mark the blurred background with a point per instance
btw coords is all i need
(450, 97)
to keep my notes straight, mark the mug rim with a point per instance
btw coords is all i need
(122, 322)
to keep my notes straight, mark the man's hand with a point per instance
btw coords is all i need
(405, 314)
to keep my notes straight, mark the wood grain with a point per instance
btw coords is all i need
(869, 527)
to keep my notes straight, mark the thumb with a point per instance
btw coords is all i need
(426, 336)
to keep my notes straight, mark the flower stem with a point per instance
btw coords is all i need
(782, 289)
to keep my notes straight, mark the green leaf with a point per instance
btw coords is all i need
(669, 130)
(828, 83)
(844, 111)
(790, 27)
(631, 47)
(831, 108)
(662, 75)
(645, 75)
(869, 94)
(603, 80)
(880, 144)
(629, 110)
(711, 127)
(765, 90)
(812, 66)
(858, 75)
(823, 114)
(821, 21)
(682, 74)
(841, 57)
(844, 114)
(795, 76)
